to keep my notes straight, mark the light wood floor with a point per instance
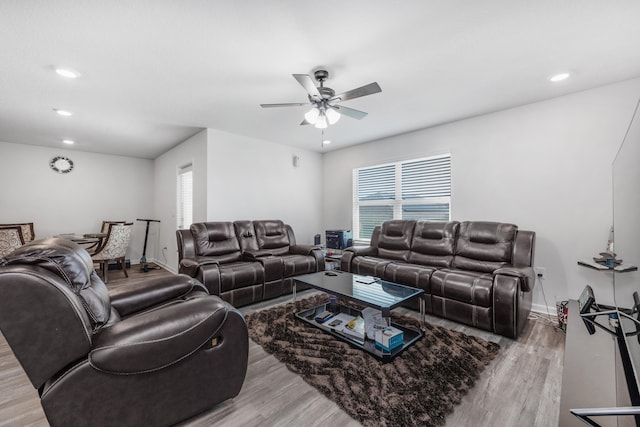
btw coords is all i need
(521, 387)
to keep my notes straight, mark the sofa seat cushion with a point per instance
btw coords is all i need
(414, 275)
(369, 266)
(298, 264)
(240, 274)
(466, 286)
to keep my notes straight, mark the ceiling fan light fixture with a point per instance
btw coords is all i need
(332, 115)
(559, 77)
(312, 115)
(64, 113)
(321, 123)
(67, 73)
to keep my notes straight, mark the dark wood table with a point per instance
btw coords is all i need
(93, 241)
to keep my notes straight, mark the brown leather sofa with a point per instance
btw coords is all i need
(245, 261)
(150, 354)
(476, 273)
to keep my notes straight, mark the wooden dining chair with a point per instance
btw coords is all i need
(100, 238)
(105, 225)
(28, 233)
(114, 248)
(11, 238)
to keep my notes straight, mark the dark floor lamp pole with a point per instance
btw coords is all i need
(143, 260)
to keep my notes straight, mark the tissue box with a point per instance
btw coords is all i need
(389, 338)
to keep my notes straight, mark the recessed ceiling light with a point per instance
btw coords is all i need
(326, 142)
(68, 141)
(69, 74)
(63, 112)
(559, 77)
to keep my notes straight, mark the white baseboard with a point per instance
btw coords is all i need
(163, 265)
(542, 309)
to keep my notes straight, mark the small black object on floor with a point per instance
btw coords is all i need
(143, 260)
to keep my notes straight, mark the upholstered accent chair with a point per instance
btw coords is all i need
(101, 236)
(114, 248)
(11, 238)
(154, 353)
(105, 225)
(28, 233)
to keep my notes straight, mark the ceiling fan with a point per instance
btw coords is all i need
(324, 101)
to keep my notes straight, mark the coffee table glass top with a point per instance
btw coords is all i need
(372, 291)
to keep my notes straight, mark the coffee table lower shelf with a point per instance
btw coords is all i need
(410, 335)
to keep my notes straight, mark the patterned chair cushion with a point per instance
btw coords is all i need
(10, 240)
(27, 230)
(117, 243)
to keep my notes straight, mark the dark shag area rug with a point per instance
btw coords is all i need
(419, 387)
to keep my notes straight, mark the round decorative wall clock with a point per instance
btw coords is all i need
(61, 164)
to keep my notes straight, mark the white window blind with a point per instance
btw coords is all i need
(185, 197)
(414, 189)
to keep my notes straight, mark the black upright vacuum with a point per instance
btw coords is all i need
(143, 260)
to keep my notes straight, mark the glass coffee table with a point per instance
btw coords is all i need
(362, 291)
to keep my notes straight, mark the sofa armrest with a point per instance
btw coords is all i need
(303, 249)
(310, 250)
(353, 251)
(158, 338)
(131, 299)
(512, 297)
(525, 274)
(363, 250)
(254, 255)
(191, 266)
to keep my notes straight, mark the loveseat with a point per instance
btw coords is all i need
(473, 272)
(245, 261)
(151, 353)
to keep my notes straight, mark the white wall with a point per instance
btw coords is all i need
(165, 190)
(100, 187)
(545, 167)
(253, 179)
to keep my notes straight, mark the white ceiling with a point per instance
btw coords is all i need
(156, 72)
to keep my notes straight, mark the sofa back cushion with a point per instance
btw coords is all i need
(395, 239)
(272, 235)
(434, 243)
(217, 240)
(484, 246)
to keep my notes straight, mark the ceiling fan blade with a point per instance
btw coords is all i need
(353, 113)
(306, 82)
(288, 104)
(365, 90)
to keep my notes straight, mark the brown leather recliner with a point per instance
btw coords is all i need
(151, 354)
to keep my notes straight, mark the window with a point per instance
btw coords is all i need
(185, 196)
(412, 189)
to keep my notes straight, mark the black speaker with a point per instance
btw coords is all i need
(338, 239)
(316, 239)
